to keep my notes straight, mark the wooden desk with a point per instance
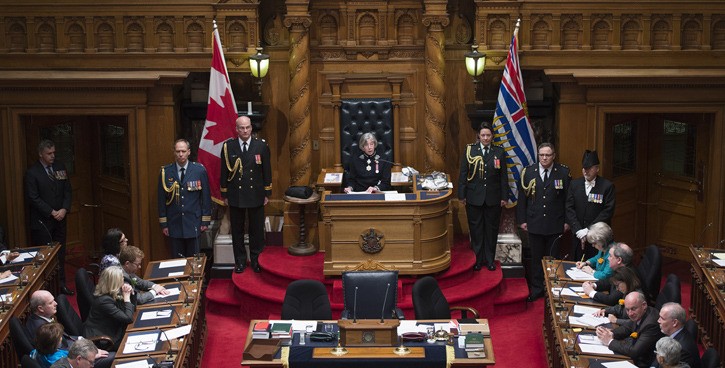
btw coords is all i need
(190, 347)
(707, 300)
(559, 336)
(192, 269)
(413, 236)
(375, 352)
(41, 275)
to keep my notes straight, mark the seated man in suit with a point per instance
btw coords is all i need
(637, 337)
(620, 255)
(80, 355)
(42, 311)
(672, 324)
(144, 291)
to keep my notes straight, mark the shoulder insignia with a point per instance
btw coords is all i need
(563, 165)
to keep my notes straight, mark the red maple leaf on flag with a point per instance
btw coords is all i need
(224, 128)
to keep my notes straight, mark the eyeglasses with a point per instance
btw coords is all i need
(91, 362)
(546, 154)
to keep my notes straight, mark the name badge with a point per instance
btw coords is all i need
(558, 184)
(496, 163)
(596, 198)
(258, 159)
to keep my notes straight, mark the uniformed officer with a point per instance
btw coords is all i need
(541, 211)
(246, 184)
(590, 200)
(482, 188)
(184, 201)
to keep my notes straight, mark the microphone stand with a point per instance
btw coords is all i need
(187, 297)
(50, 237)
(556, 270)
(178, 316)
(385, 300)
(172, 349)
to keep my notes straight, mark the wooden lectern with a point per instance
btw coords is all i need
(368, 332)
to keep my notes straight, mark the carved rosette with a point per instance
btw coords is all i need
(435, 89)
(299, 95)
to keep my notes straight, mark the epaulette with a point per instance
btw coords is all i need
(196, 163)
(564, 165)
(472, 144)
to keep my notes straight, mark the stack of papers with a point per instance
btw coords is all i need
(8, 279)
(24, 257)
(579, 275)
(719, 259)
(588, 320)
(563, 292)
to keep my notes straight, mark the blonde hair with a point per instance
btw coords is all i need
(110, 282)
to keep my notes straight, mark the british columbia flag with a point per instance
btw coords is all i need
(511, 126)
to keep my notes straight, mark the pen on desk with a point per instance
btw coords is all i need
(583, 255)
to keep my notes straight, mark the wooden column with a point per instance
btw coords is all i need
(298, 21)
(435, 20)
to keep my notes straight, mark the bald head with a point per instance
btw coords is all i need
(43, 304)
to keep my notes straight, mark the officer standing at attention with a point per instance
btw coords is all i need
(590, 200)
(541, 212)
(48, 190)
(482, 188)
(184, 201)
(246, 184)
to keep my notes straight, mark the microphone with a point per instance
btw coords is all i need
(556, 270)
(173, 309)
(50, 237)
(171, 348)
(186, 294)
(551, 248)
(354, 307)
(702, 234)
(385, 300)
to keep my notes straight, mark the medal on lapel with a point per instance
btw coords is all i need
(558, 184)
(496, 162)
(596, 198)
(368, 168)
(376, 167)
(61, 175)
(258, 159)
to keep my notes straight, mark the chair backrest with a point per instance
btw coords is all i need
(650, 272)
(306, 299)
(68, 317)
(429, 301)
(359, 116)
(21, 340)
(28, 362)
(710, 359)
(670, 292)
(371, 293)
(85, 287)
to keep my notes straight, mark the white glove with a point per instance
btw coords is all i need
(582, 233)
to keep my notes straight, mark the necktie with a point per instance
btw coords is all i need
(588, 186)
(546, 175)
(183, 171)
(485, 151)
(49, 170)
(244, 147)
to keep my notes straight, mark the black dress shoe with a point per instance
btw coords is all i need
(66, 291)
(492, 267)
(256, 268)
(532, 297)
(239, 268)
(477, 267)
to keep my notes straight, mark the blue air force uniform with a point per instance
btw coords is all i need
(483, 183)
(184, 205)
(542, 206)
(246, 180)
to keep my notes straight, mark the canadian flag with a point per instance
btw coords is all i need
(221, 114)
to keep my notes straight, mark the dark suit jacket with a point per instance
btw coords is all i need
(61, 363)
(45, 194)
(186, 213)
(640, 349)
(583, 210)
(689, 354)
(246, 188)
(488, 184)
(108, 317)
(610, 298)
(360, 179)
(543, 210)
(32, 324)
(141, 288)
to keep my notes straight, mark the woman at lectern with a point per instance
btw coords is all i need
(112, 310)
(368, 172)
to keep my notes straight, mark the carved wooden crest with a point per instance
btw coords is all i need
(371, 265)
(371, 241)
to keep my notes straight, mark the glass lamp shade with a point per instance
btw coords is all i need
(475, 62)
(259, 64)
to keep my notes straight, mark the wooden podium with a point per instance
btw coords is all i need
(368, 332)
(412, 234)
